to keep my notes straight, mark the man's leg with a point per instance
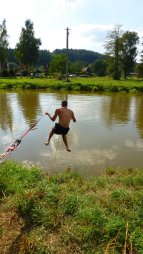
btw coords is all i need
(50, 136)
(65, 142)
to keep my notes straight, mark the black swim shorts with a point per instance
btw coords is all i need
(60, 130)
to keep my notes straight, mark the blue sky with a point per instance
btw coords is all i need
(89, 20)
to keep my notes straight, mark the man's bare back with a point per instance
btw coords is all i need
(65, 116)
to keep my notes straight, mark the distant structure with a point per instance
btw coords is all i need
(67, 58)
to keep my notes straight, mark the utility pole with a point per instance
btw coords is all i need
(67, 59)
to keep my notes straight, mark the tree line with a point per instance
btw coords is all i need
(119, 58)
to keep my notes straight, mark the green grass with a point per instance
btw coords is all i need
(94, 84)
(65, 213)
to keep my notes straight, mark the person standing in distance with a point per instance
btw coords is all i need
(62, 127)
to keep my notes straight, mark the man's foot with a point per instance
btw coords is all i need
(68, 150)
(46, 143)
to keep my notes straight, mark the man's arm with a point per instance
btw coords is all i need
(53, 118)
(73, 117)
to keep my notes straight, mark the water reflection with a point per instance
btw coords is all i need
(108, 132)
(116, 109)
(30, 105)
(139, 115)
(5, 112)
(62, 96)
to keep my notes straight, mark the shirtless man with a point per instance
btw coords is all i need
(65, 116)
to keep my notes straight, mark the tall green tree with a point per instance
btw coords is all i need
(27, 49)
(139, 69)
(129, 43)
(3, 43)
(76, 67)
(99, 67)
(139, 66)
(58, 64)
(113, 49)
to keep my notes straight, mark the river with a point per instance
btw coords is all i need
(108, 132)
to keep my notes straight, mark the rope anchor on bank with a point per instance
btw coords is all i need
(16, 143)
(9, 149)
(13, 145)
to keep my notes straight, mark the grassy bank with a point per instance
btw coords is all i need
(65, 213)
(93, 84)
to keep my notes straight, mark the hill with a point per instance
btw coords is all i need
(85, 56)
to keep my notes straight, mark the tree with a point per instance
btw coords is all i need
(58, 64)
(139, 67)
(27, 48)
(3, 44)
(44, 58)
(76, 67)
(113, 48)
(99, 67)
(129, 41)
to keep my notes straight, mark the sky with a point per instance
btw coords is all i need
(89, 21)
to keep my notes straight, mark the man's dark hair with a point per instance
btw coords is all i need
(64, 103)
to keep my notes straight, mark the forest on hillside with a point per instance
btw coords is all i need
(45, 56)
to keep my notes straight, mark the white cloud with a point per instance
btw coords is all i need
(89, 36)
(8, 139)
(138, 145)
(96, 156)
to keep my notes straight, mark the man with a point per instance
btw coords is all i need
(65, 116)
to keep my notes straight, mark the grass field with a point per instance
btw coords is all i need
(64, 213)
(93, 84)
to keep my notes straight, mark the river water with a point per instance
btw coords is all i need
(108, 132)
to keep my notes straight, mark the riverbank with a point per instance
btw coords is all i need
(65, 213)
(93, 84)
